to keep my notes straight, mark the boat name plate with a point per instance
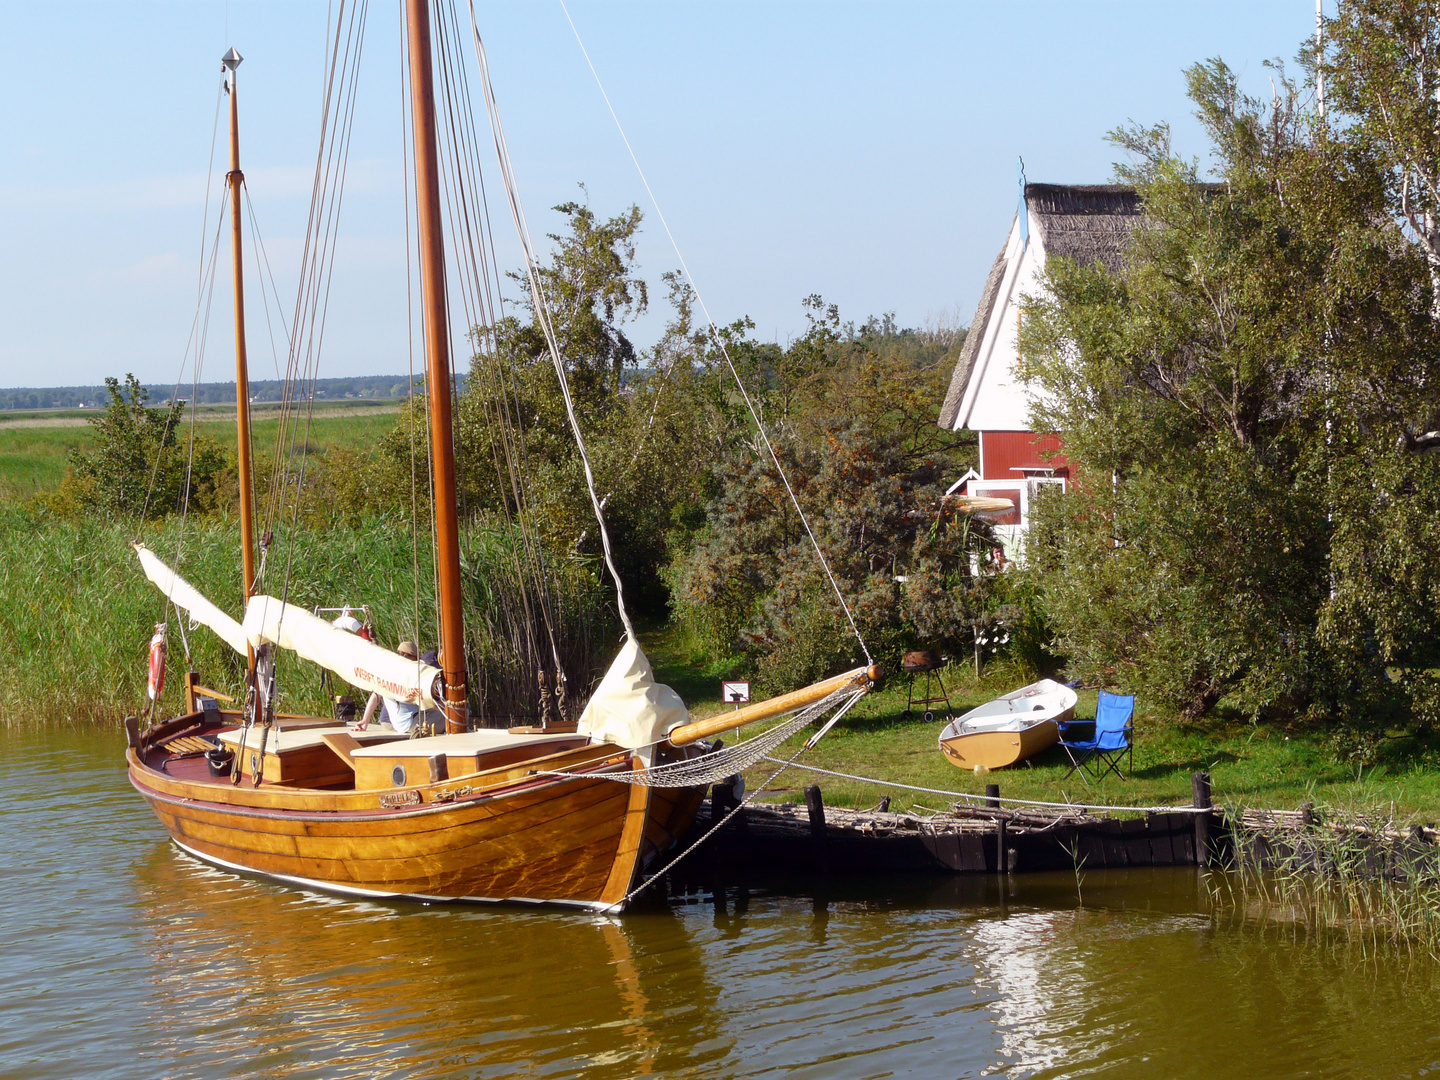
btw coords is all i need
(392, 800)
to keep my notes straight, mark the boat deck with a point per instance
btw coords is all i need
(318, 754)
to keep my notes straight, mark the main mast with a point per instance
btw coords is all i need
(437, 363)
(232, 60)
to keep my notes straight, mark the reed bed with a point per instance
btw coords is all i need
(76, 613)
(1354, 875)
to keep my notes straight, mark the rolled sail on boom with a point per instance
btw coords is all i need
(362, 664)
(188, 599)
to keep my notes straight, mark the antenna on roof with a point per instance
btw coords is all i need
(1023, 212)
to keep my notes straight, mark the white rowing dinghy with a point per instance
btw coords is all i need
(1010, 728)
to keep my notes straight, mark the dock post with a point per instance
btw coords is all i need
(992, 800)
(815, 804)
(1200, 788)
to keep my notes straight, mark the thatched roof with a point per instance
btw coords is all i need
(1088, 223)
(965, 363)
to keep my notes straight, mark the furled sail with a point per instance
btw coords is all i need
(629, 708)
(187, 598)
(360, 663)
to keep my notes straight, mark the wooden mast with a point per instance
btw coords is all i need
(232, 60)
(437, 362)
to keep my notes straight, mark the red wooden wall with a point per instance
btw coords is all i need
(1002, 453)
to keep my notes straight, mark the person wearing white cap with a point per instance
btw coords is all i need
(402, 713)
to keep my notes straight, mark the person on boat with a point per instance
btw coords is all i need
(431, 721)
(401, 714)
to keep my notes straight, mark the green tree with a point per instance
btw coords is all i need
(145, 462)
(1236, 401)
(1383, 74)
(851, 415)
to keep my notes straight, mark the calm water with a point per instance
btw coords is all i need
(121, 957)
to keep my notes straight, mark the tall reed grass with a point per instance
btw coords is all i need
(1352, 875)
(76, 612)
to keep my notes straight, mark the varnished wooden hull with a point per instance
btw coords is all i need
(997, 749)
(501, 836)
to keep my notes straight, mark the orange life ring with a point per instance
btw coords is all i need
(156, 682)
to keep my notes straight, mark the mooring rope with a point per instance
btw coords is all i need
(714, 828)
(990, 799)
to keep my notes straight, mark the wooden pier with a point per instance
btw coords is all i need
(986, 838)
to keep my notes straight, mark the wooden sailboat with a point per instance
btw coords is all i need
(471, 815)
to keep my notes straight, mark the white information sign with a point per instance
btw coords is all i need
(734, 693)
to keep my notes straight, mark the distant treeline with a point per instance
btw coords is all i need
(217, 393)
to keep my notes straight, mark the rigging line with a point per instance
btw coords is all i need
(347, 132)
(542, 313)
(715, 827)
(468, 239)
(410, 321)
(202, 330)
(1018, 802)
(463, 129)
(209, 183)
(718, 338)
(319, 198)
(320, 247)
(197, 366)
(197, 336)
(196, 369)
(262, 263)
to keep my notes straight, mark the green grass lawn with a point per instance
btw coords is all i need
(34, 458)
(1250, 766)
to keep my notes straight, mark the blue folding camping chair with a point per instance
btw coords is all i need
(1111, 743)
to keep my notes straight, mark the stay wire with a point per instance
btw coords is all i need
(410, 321)
(317, 341)
(472, 237)
(719, 340)
(542, 314)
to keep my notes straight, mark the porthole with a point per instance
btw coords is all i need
(397, 776)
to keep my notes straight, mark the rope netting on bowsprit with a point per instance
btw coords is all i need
(724, 763)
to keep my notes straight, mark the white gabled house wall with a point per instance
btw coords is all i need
(996, 399)
(1086, 223)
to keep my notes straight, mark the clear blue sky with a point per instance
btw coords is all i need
(862, 151)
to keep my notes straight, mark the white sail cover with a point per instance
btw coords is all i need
(629, 708)
(360, 663)
(187, 598)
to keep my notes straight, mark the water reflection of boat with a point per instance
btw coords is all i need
(1010, 728)
(370, 988)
